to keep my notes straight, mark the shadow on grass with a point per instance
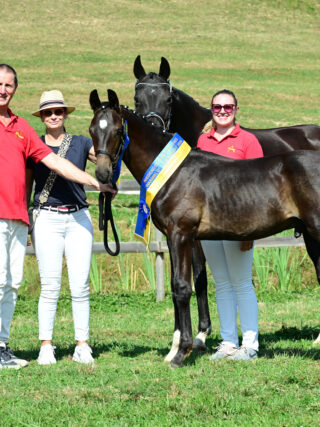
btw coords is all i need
(123, 349)
(292, 334)
(266, 341)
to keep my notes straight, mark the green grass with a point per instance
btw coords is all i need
(130, 384)
(267, 51)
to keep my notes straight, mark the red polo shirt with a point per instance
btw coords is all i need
(239, 144)
(18, 141)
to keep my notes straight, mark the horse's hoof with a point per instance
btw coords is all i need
(199, 345)
(199, 342)
(172, 353)
(317, 341)
(174, 365)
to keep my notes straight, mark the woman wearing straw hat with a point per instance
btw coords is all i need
(63, 226)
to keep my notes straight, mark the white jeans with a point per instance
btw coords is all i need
(55, 234)
(232, 272)
(13, 243)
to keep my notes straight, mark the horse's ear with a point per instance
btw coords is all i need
(138, 69)
(113, 100)
(164, 70)
(94, 100)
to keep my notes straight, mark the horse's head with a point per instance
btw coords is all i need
(106, 131)
(153, 94)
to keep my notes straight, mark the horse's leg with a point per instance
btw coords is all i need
(176, 334)
(313, 249)
(180, 248)
(201, 287)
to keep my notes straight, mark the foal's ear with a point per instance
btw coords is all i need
(113, 100)
(164, 70)
(94, 100)
(138, 69)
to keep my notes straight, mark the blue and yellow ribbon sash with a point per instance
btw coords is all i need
(117, 171)
(164, 165)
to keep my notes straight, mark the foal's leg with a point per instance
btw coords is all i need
(176, 334)
(313, 249)
(201, 287)
(180, 248)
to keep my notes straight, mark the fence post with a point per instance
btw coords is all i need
(159, 269)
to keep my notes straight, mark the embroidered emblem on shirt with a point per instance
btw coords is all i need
(19, 134)
(231, 148)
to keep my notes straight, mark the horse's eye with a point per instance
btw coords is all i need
(169, 100)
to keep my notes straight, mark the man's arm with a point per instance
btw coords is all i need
(69, 171)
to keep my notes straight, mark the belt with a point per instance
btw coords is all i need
(63, 208)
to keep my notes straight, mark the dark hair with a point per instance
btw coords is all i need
(227, 92)
(10, 70)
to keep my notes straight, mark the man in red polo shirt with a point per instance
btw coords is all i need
(18, 141)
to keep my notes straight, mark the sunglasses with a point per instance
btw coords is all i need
(228, 108)
(57, 112)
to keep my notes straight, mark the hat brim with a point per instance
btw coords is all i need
(48, 107)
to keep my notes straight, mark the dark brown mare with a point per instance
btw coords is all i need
(273, 194)
(175, 111)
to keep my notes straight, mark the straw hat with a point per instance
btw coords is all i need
(50, 99)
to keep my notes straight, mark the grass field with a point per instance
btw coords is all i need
(130, 384)
(267, 52)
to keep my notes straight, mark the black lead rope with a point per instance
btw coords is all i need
(105, 215)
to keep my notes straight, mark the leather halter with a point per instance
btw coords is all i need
(105, 211)
(114, 158)
(165, 123)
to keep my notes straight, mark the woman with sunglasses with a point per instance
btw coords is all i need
(63, 226)
(231, 262)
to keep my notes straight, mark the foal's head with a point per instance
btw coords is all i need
(153, 94)
(106, 131)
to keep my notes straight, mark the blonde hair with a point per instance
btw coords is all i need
(208, 127)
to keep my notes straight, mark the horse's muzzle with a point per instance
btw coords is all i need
(104, 175)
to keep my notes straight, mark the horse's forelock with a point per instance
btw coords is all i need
(154, 77)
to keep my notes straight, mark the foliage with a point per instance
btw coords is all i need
(279, 268)
(95, 275)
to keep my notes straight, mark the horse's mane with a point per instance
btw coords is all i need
(155, 131)
(184, 97)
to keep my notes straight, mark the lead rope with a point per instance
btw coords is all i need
(105, 215)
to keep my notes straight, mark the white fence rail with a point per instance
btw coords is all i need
(159, 246)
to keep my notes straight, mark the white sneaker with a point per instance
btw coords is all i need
(224, 350)
(244, 353)
(82, 354)
(46, 355)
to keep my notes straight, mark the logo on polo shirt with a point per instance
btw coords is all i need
(19, 134)
(231, 148)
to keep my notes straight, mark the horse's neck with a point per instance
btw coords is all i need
(188, 117)
(144, 146)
